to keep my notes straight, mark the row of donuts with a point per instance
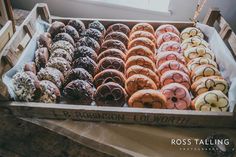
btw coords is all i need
(208, 86)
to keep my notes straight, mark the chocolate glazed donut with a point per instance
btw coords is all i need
(118, 36)
(113, 44)
(111, 63)
(118, 27)
(110, 94)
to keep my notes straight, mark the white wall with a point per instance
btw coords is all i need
(182, 10)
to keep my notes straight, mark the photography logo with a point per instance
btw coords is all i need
(215, 144)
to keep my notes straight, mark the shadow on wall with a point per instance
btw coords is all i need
(181, 10)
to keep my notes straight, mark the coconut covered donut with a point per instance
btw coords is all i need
(200, 61)
(59, 63)
(170, 46)
(140, 51)
(143, 41)
(193, 42)
(110, 94)
(61, 53)
(191, 32)
(175, 76)
(147, 98)
(169, 36)
(136, 69)
(112, 53)
(213, 100)
(62, 44)
(198, 51)
(210, 83)
(167, 56)
(145, 34)
(166, 28)
(138, 82)
(142, 27)
(171, 65)
(49, 92)
(204, 71)
(177, 96)
(141, 61)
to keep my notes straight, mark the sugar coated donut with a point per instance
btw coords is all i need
(108, 44)
(118, 27)
(193, 42)
(198, 51)
(111, 63)
(142, 27)
(141, 61)
(191, 32)
(213, 100)
(147, 98)
(112, 53)
(175, 76)
(170, 46)
(144, 42)
(177, 96)
(145, 34)
(169, 55)
(140, 51)
(200, 61)
(171, 65)
(166, 28)
(210, 83)
(169, 36)
(204, 71)
(138, 82)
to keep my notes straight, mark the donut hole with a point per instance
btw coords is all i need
(174, 99)
(147, 105)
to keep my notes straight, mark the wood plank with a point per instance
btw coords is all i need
(212, 15)
(5, 34)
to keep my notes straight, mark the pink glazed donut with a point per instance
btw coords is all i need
(169, 55)
(166, 28)
(170, 46)
(177, 96)
(175, 76)
(169, 36)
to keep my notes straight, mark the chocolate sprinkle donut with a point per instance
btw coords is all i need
(97, 25)
(79, 92)
(84, 51)
(89, 42)
(93, 33)
(72, 32)
(110, 94)
(64, 36)
(78, 25)
(86, 63)
(55, 28)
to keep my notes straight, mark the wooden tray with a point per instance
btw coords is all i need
(185, 118)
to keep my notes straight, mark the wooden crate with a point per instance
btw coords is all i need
(6, 24)
(164, 117)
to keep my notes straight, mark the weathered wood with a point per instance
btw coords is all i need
(5, 34)
(212, 15)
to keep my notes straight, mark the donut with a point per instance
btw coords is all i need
(111, 63)
(77, 24)
(136, 69)
(64, 36)
(44, 40)
(141, 61)
(204, 71)
(49, 92)
(198, 51)
(142, 41)
(169, 55)
(177, 96)
(30, 67)
(112, 53)
(97, 25)
(118, 27)
(78, 92)
(78, 73)
(55, 28)
(108, 44)
(109, 75)
(175, 76)
(110, 94)
(138, 82)
(26, 86)
(86, 63)
(171, 65)
(51, 74)
(59, 63)
(62, 44)
(89, 42)
(72, 32)
(118, 36)
(147, 98)
(166, 28)
(93, 33)
(142, 27)
(170, 46)
(83, 51)
(191, 32)
(200, 61)
(168, 36)
(145, 34)
(193, 42)
(209, 83)
(213, 100)
(61, 53)
(140, 51)
(41, 57)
